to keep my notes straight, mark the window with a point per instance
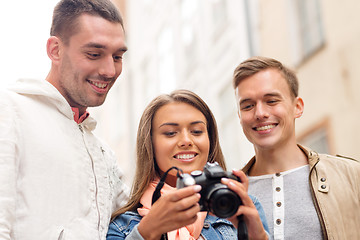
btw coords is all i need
(318, 138)
(307, 30)
(219, 13)
(189, 10)
(252, 26)
(166, 67)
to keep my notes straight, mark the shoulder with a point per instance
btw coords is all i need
(339, 161)
(124, 223)
(326, 160)
(8, 97)
(218, 228)
(343, 171)
(256, 202)
(214, 220)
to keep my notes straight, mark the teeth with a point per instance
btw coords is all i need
(185, 156)
(263, 128)
(99, 85)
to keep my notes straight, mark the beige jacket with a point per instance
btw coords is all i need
(335, 184)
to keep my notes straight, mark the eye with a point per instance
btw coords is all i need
(247, 107)
(272, 101)
(92, 55)
(118, 58)
(169, 133)
(197, 132)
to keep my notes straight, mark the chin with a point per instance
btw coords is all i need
(96, 103)
(267, 144)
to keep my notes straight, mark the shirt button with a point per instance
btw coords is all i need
(278, 189)
(278, 204)
(206, 225)
(278, 221)
(323, 179)
(323, 186)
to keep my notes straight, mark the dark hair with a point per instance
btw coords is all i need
(66, 14)
(254, 65)
(146, 169)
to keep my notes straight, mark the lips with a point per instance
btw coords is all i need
(100, 87)
(264, 127)
(185, 157)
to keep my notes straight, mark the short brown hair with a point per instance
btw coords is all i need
(254, 65)
(66, 13)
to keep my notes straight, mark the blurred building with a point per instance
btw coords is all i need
(196, 44)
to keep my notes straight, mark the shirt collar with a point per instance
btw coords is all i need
(77, 118)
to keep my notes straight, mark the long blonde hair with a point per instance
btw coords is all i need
(146, 169)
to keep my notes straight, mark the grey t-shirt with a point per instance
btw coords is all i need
(288, 205)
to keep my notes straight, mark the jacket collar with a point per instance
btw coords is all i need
(312, 156)
(44, 90)
(51, 95)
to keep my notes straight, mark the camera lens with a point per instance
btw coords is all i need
(224, 203)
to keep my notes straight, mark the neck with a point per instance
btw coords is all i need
(170, 179)
(52, 78)
(274, 160)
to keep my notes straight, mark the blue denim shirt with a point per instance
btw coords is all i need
(125, 226)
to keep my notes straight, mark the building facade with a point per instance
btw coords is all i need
(196, 44)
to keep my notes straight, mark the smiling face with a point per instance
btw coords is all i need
(180, 137)
(88, 66)
(267, 110)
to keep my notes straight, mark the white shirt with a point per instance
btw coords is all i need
(57, 180)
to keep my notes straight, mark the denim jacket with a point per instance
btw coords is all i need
(125, 226)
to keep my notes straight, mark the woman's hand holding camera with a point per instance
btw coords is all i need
(171, 211)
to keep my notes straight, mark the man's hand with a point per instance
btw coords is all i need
(248, 210)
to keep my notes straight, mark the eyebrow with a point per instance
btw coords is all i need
(98, 45)
(176, 124)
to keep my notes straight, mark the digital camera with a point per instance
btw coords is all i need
(215, 196)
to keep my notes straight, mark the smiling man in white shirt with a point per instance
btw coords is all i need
(57, 179)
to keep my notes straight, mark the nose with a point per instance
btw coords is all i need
(261, 111)
(108, 68)
(185, 140)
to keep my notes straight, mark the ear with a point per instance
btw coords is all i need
(237, 103)
(299, 107)
(238, 113)
(53, 49)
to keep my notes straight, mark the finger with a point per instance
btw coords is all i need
(239, 189)
(243, 178)
(188, 202)
(182, 218)
(190, 214)
(184, 192)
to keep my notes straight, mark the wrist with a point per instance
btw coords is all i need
(147, 232)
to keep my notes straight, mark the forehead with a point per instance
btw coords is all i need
(177, 112)
(265, 82)
(96, 29)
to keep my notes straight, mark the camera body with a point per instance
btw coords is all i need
(215, 196)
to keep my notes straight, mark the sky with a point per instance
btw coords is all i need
(25, 27)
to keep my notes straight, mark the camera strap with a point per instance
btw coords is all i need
(242, 229)
(157, 193)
